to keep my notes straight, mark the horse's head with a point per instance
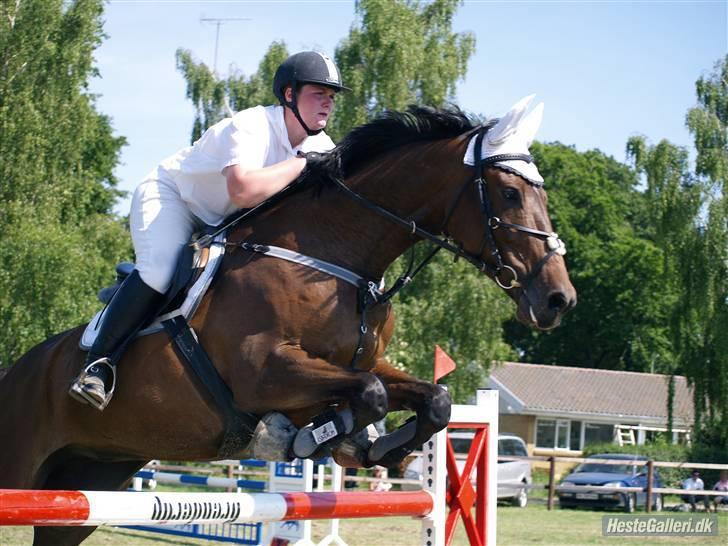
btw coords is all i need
(504, 225)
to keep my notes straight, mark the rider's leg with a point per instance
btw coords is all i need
(161, 225)
(132, 304)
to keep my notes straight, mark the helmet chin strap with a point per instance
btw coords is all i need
(293, 105)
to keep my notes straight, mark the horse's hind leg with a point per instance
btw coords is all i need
(430, 402)
(81, 473)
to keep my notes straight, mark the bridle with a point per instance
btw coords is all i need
(491, 224)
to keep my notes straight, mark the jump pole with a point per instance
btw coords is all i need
(93, 508)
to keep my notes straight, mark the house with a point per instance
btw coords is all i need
(558, 410)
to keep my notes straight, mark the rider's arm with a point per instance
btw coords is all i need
(247, 188)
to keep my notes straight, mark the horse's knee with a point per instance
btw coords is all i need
(370, 404)
(437, 410)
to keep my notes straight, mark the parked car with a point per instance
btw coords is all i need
(600, 475)
(512, 475)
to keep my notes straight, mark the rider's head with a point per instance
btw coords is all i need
(308, 68)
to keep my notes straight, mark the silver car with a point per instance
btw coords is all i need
(514, 477)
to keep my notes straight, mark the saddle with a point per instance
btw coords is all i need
(196, 267)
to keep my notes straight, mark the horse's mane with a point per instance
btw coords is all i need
(390, 130)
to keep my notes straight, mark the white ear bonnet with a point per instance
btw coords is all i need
(513, 134)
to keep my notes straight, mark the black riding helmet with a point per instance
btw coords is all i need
(302, 68)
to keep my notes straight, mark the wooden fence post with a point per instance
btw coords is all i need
(552, 472)
(650, 476)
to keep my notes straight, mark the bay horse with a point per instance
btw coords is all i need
(281, 335)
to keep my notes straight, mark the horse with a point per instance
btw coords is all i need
(291, 339)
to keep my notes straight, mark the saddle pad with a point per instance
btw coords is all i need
(188, 307)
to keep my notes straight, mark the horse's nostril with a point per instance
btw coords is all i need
(558, 301)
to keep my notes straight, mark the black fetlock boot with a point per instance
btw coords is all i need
(129, 309)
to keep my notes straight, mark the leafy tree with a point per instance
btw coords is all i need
(619, 322)
(648, 250)
(216, 98)
(688, 218)
(455, 306)
(57, 155)
(400, 52)
(705, 263)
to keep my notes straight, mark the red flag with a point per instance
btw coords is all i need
(443, 364)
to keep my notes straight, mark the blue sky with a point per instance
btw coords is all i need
(606, 70)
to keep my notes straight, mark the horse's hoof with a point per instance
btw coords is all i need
(393, 458)
(388, 444)
(352, 452)
(273, 437)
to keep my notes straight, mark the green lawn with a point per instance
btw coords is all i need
(516, 527)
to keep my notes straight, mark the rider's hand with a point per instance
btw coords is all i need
(318, 164)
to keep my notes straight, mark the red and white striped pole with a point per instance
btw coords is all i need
(92, 508)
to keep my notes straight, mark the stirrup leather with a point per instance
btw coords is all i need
(79, 393)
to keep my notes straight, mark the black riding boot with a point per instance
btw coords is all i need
(128, 310)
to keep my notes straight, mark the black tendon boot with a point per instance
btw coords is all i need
(128, 310)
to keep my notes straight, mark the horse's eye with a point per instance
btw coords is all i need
(510, 194)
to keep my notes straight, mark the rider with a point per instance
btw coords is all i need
(237, 163)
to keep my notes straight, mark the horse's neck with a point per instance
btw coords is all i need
(335, 228)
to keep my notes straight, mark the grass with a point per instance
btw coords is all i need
(516, 527)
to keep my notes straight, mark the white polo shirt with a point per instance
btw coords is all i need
(253, 138)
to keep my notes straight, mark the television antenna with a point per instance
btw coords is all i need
(218, 22)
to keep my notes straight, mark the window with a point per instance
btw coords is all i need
(575, 436)
(562, 434)
(545, 433)
(552, 433)
(597, 433)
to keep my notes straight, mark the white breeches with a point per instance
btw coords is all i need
(161, 225)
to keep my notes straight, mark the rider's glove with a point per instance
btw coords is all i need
(316, 163)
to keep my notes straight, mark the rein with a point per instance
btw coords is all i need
(492, 222)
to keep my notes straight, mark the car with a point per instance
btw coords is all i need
(514, 477)
(601, 475)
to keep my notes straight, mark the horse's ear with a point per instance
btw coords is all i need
(508, 124)
(528, 127)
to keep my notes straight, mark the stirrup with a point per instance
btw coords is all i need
(79, 393)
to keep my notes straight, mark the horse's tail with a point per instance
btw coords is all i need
(3, 372)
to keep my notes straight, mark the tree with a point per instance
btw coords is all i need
(216, 98)
(57, 155)
(689, 222)
(705, 274)
(457, 307)
(400, 52)
(619, 322)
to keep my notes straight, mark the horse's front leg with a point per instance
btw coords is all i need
(302, 386)
(431, 404)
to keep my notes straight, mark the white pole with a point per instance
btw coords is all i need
(487, 402)
(434, 481)
(336, 485)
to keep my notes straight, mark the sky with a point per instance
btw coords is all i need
(606, 70)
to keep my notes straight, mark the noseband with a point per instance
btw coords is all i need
(491, 224)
